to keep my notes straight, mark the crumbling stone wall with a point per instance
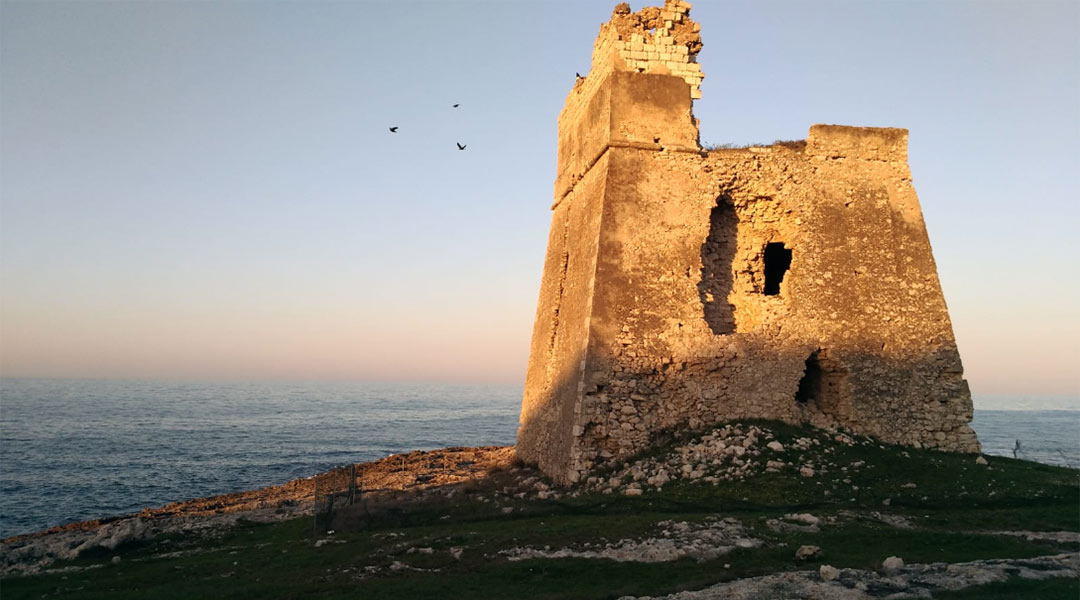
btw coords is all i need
(654, 312)
(654, 40)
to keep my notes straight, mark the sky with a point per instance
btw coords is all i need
(208, 190)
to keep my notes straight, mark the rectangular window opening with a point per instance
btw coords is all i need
(777, 263)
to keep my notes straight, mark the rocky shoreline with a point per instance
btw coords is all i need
(415, 471)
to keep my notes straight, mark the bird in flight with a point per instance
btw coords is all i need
(393, 130)
(456, 105)
(460, 146)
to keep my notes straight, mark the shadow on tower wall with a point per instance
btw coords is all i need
(923, 394)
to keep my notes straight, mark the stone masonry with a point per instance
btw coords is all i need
(684, 287)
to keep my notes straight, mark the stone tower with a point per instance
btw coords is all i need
(684, 287)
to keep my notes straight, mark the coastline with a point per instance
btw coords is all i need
(747, 507)
(148, 444)
(414, 471)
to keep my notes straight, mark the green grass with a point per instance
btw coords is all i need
(279, 561)
(951, 508)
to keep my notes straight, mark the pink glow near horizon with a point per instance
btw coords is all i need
(209, 190)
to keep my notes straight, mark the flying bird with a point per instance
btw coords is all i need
(456, 105)
(393, 130)
(460, 146)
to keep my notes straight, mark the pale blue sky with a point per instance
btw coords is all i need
(209, 190)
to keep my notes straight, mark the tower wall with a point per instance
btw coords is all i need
(661, 307)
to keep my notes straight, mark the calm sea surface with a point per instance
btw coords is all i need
(72, 450)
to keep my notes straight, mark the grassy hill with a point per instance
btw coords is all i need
(507, 534)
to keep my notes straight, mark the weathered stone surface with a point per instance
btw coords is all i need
(677, 540)
(685, 287)
(909, 582)
(808, 552)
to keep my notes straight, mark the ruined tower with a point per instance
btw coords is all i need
(685, 287)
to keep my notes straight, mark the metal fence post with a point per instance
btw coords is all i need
(352, 484)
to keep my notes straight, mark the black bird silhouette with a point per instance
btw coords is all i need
(393, 130)
(456, 105)
(459, 146)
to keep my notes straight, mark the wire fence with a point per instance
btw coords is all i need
(1048, 453)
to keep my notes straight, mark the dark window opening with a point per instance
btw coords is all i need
(810, 384)
(717, 254)
(823, 386)
(777, 262)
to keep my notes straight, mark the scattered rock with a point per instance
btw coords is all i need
(893, 563)
(804, 518)
(808, 552)
(1060, 537)
(912, 581)
(801, 523)
(678, 540)
(981, 461)
(728, 453)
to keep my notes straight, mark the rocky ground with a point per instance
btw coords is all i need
(729, 453)
(676, 540)
(898, 582)
(746, 510)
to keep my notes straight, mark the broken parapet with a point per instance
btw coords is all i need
(653, 112)
(867, 143)
(653, 40)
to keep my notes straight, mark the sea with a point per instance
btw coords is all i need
(72, 450)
